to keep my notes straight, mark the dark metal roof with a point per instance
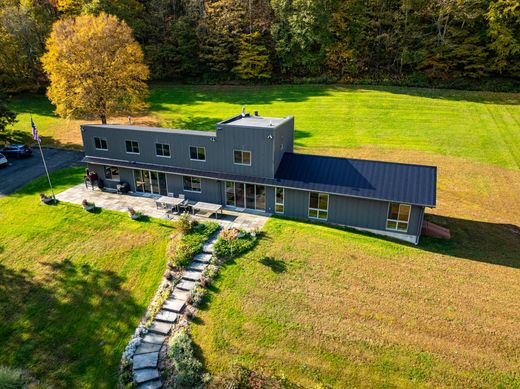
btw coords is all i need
(404, 183)
(386, 181)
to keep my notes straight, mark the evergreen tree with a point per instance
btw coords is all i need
(254, 62)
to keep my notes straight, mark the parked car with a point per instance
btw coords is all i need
(17, 151)
(3, 160)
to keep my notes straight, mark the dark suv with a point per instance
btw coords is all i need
(16, 151)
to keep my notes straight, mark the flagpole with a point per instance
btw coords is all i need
(43, 159)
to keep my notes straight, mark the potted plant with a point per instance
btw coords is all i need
(135, 215)
(45, 199)
(89, 207)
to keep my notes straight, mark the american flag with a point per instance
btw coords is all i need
(34, 131)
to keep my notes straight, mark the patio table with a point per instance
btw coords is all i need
(209, 207)
(171, 201)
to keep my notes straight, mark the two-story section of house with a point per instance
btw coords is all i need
(249, 163)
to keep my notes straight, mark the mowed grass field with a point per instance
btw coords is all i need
(479, 125)
(320, 305)
(73, 285)
(323, 306)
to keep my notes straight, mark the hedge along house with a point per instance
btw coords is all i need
(248, 163)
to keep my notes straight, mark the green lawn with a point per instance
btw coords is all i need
(73, 285)
(480, 126)
(320, 305)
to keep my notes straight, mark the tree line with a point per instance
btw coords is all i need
(283, 40)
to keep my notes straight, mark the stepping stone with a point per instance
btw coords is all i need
(208, 248)
(186, 285)
(197, 266)
(154, 338)
(203, 257)
(143, 361)
(179, 294)
(155, 384)
(160, 327)
(173, 305)
(166, 316)
(145, 348)
(192, 275)
(143, 375)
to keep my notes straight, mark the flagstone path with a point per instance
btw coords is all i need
(147, 355)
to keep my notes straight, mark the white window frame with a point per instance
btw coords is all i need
(100, 138)
(318, 209)
(198, 147)
(162, 147)
(191, 182)
(283, 200)
(133, 152)
(242, 154)
(111, 167)
(397, 221)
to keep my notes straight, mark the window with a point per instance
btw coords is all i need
(242, 157)
(100, 143)
(112, 173)
(197, 153)
(318, 205)
(162, 150)
(132, 147)
(279, 204)
(398, 217)
(192, 184)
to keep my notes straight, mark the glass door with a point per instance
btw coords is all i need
(250, 196)
(139, 183)
(239, 195)
(147, 181)
(163, 191)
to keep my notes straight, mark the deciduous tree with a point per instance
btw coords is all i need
(95, 67)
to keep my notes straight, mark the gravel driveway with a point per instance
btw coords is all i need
(21, 171)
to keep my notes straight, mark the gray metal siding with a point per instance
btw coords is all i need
(349, 211)
(219, 153)
(283, 141)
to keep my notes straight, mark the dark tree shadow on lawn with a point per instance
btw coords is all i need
(53, 323)
(276, 265)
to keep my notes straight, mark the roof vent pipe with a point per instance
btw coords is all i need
(243, 111)
(256, 113)
(270, 123)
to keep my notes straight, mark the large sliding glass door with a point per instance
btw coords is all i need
(248, 196)
(148, 181)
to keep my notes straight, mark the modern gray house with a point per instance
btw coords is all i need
(248, 163)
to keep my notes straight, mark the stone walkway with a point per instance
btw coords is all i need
(146, 357)
(107, 200)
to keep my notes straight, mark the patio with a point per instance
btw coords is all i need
(146, 204)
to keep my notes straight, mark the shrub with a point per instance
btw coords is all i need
(191, 243)
(197, 295)
(11, 378)
(189, 372)
(241, 245)
(185, 223)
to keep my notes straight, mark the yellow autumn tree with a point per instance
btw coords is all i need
(95, 68)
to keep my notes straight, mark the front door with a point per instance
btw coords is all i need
(248, 196)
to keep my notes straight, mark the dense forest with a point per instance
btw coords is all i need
(284, 40)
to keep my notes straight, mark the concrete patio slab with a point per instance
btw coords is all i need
(146, 204)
